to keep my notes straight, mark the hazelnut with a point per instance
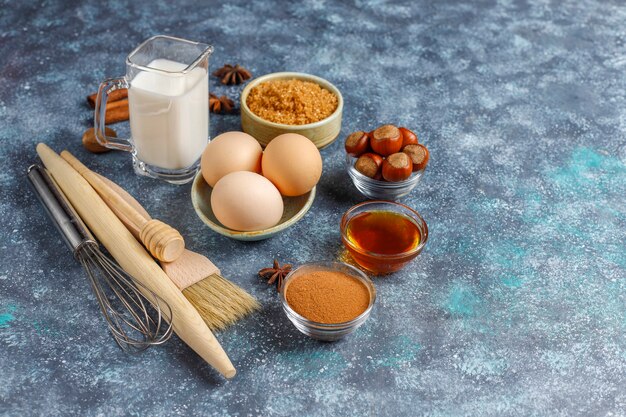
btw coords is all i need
(386, 140)
(369, 165)
(357, 143)
(419, 156)
(91, 143)
(408, 137)
(397, 167)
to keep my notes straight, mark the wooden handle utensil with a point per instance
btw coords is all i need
(185, 271)
(134, 259)
(163, 241)
(219, 301)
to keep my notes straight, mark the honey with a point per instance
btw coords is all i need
(383, 241)
(383, 232)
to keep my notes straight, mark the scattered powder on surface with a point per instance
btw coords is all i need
(327, 296)
(291, 102)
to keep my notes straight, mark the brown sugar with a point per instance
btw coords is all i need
(291, 102)
(327, 296)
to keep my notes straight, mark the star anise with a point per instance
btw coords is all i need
(275, 274)
(232, 75)
(220, 104)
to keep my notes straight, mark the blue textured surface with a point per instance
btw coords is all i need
(517, 305)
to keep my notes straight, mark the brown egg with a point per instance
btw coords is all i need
(292, 163)
(230, 152)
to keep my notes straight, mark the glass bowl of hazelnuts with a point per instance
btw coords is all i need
(386, 163)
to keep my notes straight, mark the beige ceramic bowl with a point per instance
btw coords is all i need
(321, 133)
(295, 209)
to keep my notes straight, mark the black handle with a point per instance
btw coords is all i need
(58, 208)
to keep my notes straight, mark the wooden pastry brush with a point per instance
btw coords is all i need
(219, 301)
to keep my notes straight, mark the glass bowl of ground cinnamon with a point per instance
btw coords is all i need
(327, 300)
(291, 102)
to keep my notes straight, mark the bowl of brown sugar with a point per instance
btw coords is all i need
(327, 300)
(291, 102)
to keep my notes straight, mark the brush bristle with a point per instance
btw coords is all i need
(219, 301)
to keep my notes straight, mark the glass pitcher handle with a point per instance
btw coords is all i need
(99, 117)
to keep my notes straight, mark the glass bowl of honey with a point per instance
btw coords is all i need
(380, 189)
(383, 236)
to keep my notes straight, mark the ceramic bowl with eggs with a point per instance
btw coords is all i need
(246, 193)
(322, 133)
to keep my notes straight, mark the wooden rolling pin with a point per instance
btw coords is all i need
(129, 253)
(163, 241)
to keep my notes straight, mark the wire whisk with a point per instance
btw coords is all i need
(137, 317)
(127, 310)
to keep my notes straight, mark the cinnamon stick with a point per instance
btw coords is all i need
(116, 95)
(117, 111)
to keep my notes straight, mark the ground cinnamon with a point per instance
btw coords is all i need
(327, 296)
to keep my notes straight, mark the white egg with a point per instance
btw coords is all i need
(246, 201)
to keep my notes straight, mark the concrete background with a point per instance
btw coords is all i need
(517, 304)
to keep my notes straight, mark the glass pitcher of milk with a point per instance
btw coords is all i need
(168, 98)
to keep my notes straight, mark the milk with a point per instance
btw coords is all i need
(169, 115)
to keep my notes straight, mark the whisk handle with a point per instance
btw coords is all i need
(59, 210)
